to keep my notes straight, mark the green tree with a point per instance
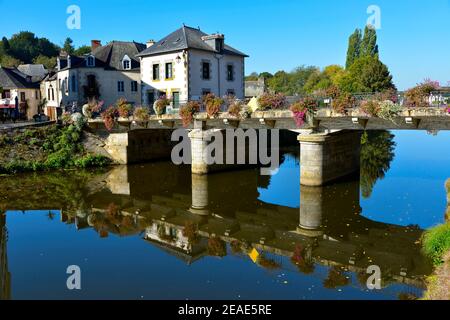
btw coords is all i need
(82, 50)
(279, 82)
(377, 153)
(25, 46)
(369, 45)
(48, 62)
(266, 75)
(68, 46)
(9, 61)
(252, 77)
(367, 74)
(354, 47)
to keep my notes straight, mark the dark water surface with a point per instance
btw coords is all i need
(155, 231)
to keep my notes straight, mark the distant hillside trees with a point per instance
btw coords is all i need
(364, 72)
(25, 47)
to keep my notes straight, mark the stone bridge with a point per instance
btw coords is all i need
(329, 141)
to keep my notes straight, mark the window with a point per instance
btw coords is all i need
(176, 99)
(230, 93)
(22, 97)
(48, 95)
(74, 83)
(206, 72)
(36, 94)
(120, 86)
(169, 71)
(126, 62)
(134, 86)
(6, 94)
(230, 72)
(156, 72)
(66, 85)
(53, 94)
(90, 61)
(205, 92)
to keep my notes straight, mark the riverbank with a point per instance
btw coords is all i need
(47, 148)
(436, 245)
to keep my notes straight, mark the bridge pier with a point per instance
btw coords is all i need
(136, 146)
(225, 155)
(328, 157)
(200, 195)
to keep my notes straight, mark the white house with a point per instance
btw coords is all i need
(108, 73)
(187, 64)
(18, 88)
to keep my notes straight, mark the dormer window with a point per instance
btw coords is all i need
(90, 61)
(126, 63)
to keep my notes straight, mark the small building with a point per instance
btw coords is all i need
(255, 88)
(108, 73)
(18, 88)
(187, 64)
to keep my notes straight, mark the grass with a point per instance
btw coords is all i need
(436, 243)
(47, 148)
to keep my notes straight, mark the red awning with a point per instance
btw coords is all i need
(7, 106)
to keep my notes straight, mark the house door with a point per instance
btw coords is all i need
(176, 100)
(150, 98)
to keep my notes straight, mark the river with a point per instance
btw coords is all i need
(154, 231)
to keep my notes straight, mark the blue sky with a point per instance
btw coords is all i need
(277, 34)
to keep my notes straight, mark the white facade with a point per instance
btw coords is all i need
(70, 85)
(187, 81)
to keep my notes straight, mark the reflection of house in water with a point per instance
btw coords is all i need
(328, 226)
(5, 277)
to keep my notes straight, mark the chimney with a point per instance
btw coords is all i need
(95, 44)
(150, 43)
(215, 41)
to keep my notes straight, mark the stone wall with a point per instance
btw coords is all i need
(328, 157)
(137, 146)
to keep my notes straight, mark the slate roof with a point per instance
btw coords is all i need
(109, 56)
(36, 71)
(185, 38)
(11, 78)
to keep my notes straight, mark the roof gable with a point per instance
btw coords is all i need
(11, 78)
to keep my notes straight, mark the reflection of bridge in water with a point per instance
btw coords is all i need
(161, 203)
(328, 228)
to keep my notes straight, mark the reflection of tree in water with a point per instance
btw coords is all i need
(377, 152)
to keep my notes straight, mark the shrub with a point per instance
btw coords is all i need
(272, 101)
(235, 108)
(448, 109)
(342, 102)
(370, 107)
(92, 161)
(109, 117)
(217, 247)
(190, 231)
(418, 96)
(188, 111)
(389, 110)
(303, 107)
(123, 108)
(161, 104)
(436, 242)
(141, 114)
(212, 104)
